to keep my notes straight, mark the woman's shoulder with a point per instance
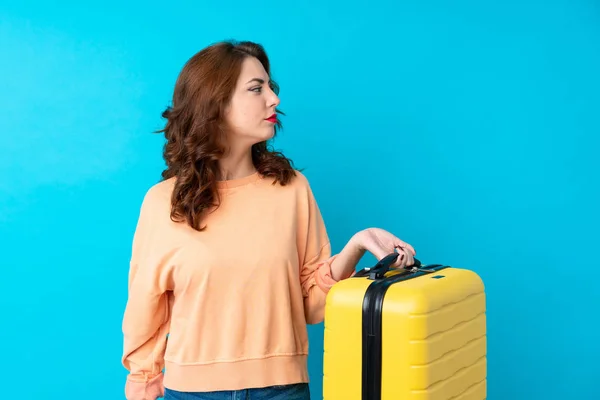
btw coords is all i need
(158, 195)
(299, 180)
(299, 188)
(298, 183)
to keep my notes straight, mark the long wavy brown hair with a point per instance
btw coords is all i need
(195, 129)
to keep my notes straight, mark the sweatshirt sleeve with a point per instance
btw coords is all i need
(147, 313)
(315, 274)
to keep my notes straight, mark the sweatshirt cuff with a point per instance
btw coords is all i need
(323, 278)
(145, 390)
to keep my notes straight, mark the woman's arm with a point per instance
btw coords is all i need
(378, 242)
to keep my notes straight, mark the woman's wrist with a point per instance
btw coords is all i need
(346, 261)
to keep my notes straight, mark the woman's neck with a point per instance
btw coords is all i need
(236, 165)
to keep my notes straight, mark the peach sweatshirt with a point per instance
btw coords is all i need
(235, 299)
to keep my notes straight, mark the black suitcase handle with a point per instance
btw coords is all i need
(384, 265)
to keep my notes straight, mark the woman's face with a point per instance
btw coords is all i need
(251, 113)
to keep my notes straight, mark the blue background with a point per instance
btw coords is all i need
(470, 129)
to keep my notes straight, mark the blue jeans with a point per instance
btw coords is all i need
(298, 391)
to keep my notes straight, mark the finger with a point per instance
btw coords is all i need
(402, 258)
(405, 245)
(405, 258)
(399, 263)
(409, 259)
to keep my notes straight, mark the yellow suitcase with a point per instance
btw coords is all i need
(406, 334)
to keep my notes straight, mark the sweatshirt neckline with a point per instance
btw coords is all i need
(234, 183)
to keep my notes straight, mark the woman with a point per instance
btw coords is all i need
(230, 256)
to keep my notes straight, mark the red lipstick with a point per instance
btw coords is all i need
(272, 118)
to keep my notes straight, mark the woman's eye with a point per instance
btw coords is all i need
(256, 89)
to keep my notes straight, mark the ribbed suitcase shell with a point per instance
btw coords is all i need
(433, 338)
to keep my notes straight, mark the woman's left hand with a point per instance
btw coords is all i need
(381, 243)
